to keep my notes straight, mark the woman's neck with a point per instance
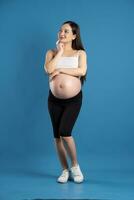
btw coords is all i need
(67, 47)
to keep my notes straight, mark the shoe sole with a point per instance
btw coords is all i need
(62, 182)
(78, 181)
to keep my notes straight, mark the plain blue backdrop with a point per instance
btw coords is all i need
(104, 131)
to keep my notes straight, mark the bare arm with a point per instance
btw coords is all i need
(50, 61)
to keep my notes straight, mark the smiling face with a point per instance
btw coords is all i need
(65, 34)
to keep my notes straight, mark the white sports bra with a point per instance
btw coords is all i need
(68, 62)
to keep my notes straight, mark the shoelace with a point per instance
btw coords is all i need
(75, 171)
(63, 173)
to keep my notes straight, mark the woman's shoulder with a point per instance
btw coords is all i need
(82, 52)
(52, 52)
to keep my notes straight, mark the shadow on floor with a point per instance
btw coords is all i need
(65, 199)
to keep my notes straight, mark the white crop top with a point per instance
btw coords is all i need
(68, 62)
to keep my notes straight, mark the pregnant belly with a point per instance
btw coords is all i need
(65, 86)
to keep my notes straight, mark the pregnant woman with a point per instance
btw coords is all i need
(66, 66)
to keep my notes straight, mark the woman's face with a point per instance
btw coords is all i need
(65, 33)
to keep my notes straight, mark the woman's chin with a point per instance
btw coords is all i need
(62, 40)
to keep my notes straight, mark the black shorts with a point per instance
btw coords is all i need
(63, 113)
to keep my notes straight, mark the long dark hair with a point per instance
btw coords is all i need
(76, 43)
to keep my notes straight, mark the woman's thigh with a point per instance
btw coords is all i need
(69, 117)
(55, 111)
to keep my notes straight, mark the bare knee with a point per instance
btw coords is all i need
(58, 140)
(66, 139)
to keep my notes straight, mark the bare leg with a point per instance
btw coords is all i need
(61, 152)
(71, 148)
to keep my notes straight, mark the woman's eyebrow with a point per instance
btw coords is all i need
(65, 29)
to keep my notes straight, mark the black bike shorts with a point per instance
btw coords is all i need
(63, 113)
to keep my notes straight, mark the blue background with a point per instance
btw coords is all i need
(104, 131)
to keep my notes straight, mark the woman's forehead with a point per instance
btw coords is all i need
(66, 26)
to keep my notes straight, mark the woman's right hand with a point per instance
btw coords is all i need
(60, 46)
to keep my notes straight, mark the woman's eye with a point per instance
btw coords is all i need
(66, 31)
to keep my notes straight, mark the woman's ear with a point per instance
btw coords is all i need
(74, 36)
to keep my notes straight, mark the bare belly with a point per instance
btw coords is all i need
(65, 86)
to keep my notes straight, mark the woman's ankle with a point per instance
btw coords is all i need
(74, 164)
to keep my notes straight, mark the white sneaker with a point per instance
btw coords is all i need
(76, 174)
(63, 178)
